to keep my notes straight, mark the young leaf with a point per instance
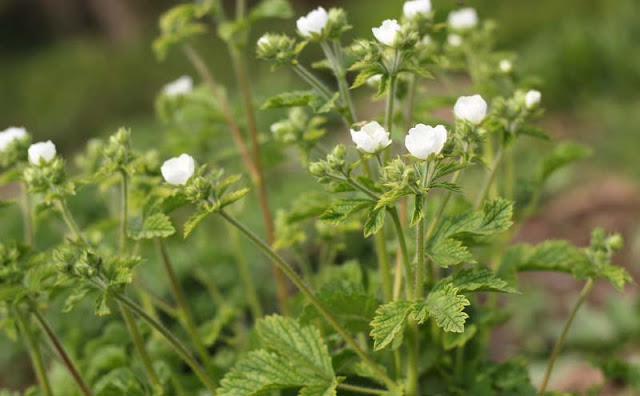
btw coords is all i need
(446, 307)
(342, 209)
(418, 210)
(449, 252)
(157, 225)
(389, 322)
(476, 279)
(374, 222)
(194, 220)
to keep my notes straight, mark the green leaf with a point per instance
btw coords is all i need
(293, 99)
(449, 252)
(446, 307)
(157, 225)
(194, 220)
(389, 322)
(303, 346)
(271, 9)
(375, 221)
(342, 209)
(418, 210)
(476, 279)
(102, 306)
(621, 371)
(560, 156)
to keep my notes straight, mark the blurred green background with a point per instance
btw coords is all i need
(74, 69)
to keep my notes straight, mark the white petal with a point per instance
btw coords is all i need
(45, 151)
(178, 170)
(415, 7)
(470, 108)
(462, 19)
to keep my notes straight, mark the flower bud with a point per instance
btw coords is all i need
(374, 81)
(387, 32)
(470, 108)
(9, 135)
(42, 151)
(371, 138)
(414, 7)
(424, 140)
(317, 169)
(313, 23)
(615, 242)
(181, 86)
(532, 98)
(463, 19)
(178, 170)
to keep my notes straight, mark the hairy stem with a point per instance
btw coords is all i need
(245, 275)
(138, 342)
(124, 210)
(71, 223)
(341, 76)
(34, 353)
(184, 312)
(302, 286)
(362, 389)
(59, 348)
(558, 346)
(312, 80)
(242, 76)
(404, 253)
(173, 340)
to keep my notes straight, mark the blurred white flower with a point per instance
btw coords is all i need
(181, 86)
(178, 170)
(9, 135)
(44, 151)
(371, 138)
(505, 65)
(463, 19)
(387, 32)
(426, 40)
(532, 98)
(314, 22)
(424, 140)
(415, 7)
(454, 40)
(470, 108)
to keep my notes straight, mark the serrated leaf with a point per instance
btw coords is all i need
(343, 208)
(476, 279)
(449, 252)
(446, 306)
(389, 322)
(418, 210)
(494, 218)
(194, 220)
(301, 345)
(101, 305)
(157, 225)
(375, 221)
(74, 298)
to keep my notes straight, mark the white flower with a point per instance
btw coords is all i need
(387, 32)
(454, 40)
(532, 98)
(424, 140)
(181, 86)
(414, 7)
(470, 108)
(426, 40)
(371, 138)
(505, 66)
(374, 80)
(45, 151)
(463, 19)
(9, 135)
(178, 170)
(314, 22)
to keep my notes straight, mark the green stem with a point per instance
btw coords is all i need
(138, 342)
(27, 217)
(124, 210)
(71, 223)
(488, 181)
(383, 262)
(413, 382)
(442, 207)
(404, 251)
(362, 389)
(413, 85)
(175, 343)
(58, 347)
(245, 276)
(312, 80)
(340, 73)
(183, 307)
(302, 286)
(558, 346)
(34, 352)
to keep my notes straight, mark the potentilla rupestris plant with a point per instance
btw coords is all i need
(400, 316)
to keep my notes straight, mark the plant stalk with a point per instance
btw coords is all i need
(362, 389)
(558, 346)
(34, 353)
(245, 275)
(488, 181)
(124, 210)
(302, 286)
(184, 312)
(404, 252)
(138, 342)
(58, 347)
(27, 217)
